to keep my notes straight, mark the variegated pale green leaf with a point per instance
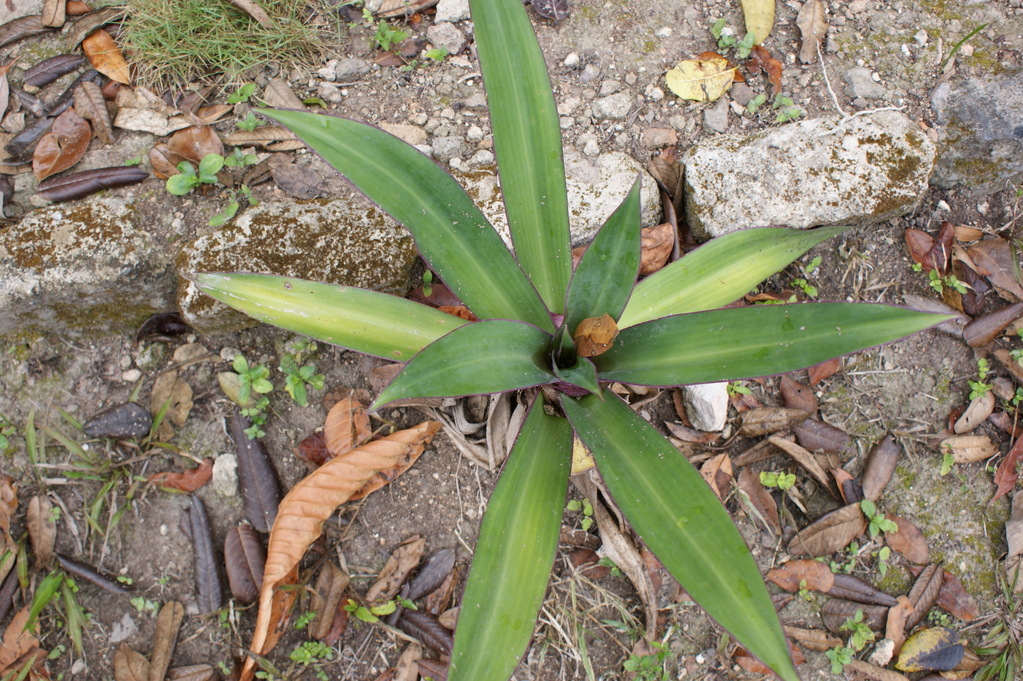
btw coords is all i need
(719, 272)
(452, 234)
(515, 552)
(679, 518)
(607, 272)
(484, 357)
(373, 323)
(527, 140)
(745, 342)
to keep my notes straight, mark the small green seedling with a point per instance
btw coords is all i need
(848, 566)
(940, 283)
(649, 667)
(437, 53)
(839, 656)
(804, 593)
(788, 112)
(607, 562)
(7, 431)
(879, 522)
(754, 104)
(979, 388)
(253, 380)
(882, 559)
(861, 633)
(812, 267)
(249, 123)
(587, 508)
(726, 39)
(134, 161)
(187, 179)
(311, 654)
(242, 94)
(947, 460)
(298, 377)
(737, 388)
(782, 481)
(303, 620)
(240, 159)
(809, 290)
(386, 36)
(144, 605)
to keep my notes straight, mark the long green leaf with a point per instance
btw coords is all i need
(484, 357)
(679, 518)
(527, 140)
(719, 272)
(365, 321)
(515, 552)
(454, 237)
(607, 272)
(752, 341)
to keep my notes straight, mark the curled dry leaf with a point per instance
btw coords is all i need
(23, 27)
(767, 420)
(656, 244)
(752, 664)
(278, 95)
(347, 426)
(164, 161)
(829, 533)
(168, 624)
(717, 471)
(797, 395)
(195, 143)
(90, 105)
(396, 570)
(881, 463)
(935, 649)
(49, 70)
(18, 639)
(89, 574)
(814, 639)
(62, 147)
(855, 589)
(760, 58)
(257, 477)
(42, 528)
(873, 672)
(803, 574)
(207, 572)
(310, 502)
(806, 461)
(924, 593)
(595, 335)
(106, 56)
(816, 436)
(687, 434)
(173, 394)
(761, 500)
(407, 668)
(968, 448)
(162, 326)
(836, 611)
(244, 558)
(432, 575)
(1006, 474)
(439, 599)
(264, 136)
(994, 259)
(427, 629)
(702, 80)
(130, 665)
(818, 372)
(80, 185)
(330, 585)
(908, 540)
(186, 481)
(852, 491)
(812, 27)
(895, 628)
(89, 23)
(193, 672)
(978, 412)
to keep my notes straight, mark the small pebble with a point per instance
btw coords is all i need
(131, 375)
(572, 60)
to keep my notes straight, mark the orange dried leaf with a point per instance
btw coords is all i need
(301, 515)
(63, 146)
(17, 640)
(819, 372)
(954, 598)
(829, 533)
(187, 481)
(655, 247)
(895, 627)
(106, 57)
(763, 503)
(396, 570)
(803, 574)
(195, 142)
(346, 427)
(460, 311)
(752, 664)
(760, 58)
(717, 471)
(595, 335)
(388, 476)
(1007, 473)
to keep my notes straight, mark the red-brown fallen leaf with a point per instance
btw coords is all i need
(993, 259)
(130, 665)
(655, 247)
(814, 639)
(187, 481)
(803, 574)
(844, 481)
(303, 511)
(954, 598)
(106, 57)
(346, 427)
(63, 146)
(743, 402)
(194, 143)
(314, 450)
(797, 395)
(1008, 473)
(396, 570)
(755, 666)
(760, 58)
(330, 585)
(829, 533)
(337, 627)
(909, 540)
(17, 639)
(687, 434)
(818, 372)
(763, 504)
(924, 593)
(586, 561)
(460, 311)
(895, 627)
(881, 463)
(717, 471)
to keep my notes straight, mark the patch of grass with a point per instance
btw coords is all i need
(186, 40)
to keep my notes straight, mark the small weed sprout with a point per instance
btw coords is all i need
(979, 388)
(808, 289)
(437, 54)
(649, 667)
(253, 380)
(782, 481)
(788, 112)
(737, 388)
(882, 559)
(187, 179)
(607, 562)
(303, 620)
(7, 431)
(298, 377)
(839, 656)
(848, 566)
(134, 161)
(386, 36)
(249, 123)
(861, 633)
(726, 39)
(804, 593)
(240, 159)
(878, 521)
(587, 508)
(947, 460)
(242, 94)
(754, 104)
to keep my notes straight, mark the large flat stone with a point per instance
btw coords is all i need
(815, 172)
(83, 269)
(328, 241)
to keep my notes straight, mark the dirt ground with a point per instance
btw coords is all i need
(907, 388)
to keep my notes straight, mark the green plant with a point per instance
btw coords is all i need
(298, 377)
(947, 460)
(726, 39)
(386, 36)
(850, 564)
(240, 159)
(940, 283)
(782, 481)
(242, 94)
(754, 104)
(812, 267)
(737, 388)
(788, 111)
(253, 380)
(878, 520)
(249, 123)
(861, 634)
(586, 507)
(979, 388)
(808, 289)
(134, 161)
(437, 53)
(882, 556)
(187, 179)
(607, 562)
(303, 620)
(1004, 640)
(649, 667)
(7, 431)
(839, 656)
(529, 305)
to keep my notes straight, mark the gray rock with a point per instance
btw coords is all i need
(706, 405)
(475, 101)
(716, 117)
(452, 10)
(328, 241)
(609, 87)
(350, 69)
(447, 148)
(615, 107)
(590, 73)
(655, 138)
(225, 476)
(742, 94)
(981, 135)
(446, 35)
(588, 141)
(409, 134)
(809, 173)
(572, 61)
(595, 188)
(87, 269)
(859, 83)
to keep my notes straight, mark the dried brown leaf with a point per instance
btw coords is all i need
(814, 639)
(195, 143)
(656, 244)
(427, 629)
(330, 585)
(164, 161)
(256, 12)
(812, 27)
(954, 598)
(302, 182)
(18, 639)
(407, 668)
(89, 23)
(91, 575)
(385, 477)
(968, 448)
(829, 533)
(309, 503)
(763, 503)
(752, 664)
(82, 184)
(881, 463)
(396, 570)
(595, 335)
(909, 540)
(717, 471)
(802, 574)
(816, 436)
(1007, 473)
(797, 395)
(806, 461)
(196, 524)
(122, 421)
(53, 13)
(935, 649)
(257, 477)
(978, 412)
(23, 27)
(42, 529)
(760, 58)
(835, 612)
(174, 393)
(130, 665)
(818, 372)
(983, 330)
(873, 672)
(265, 136)
(193, 672)
(49, 70)
(440, 598)
(687, 434)
(63, 147)
(993, 259)
(767, 420)
(90, 105)
(347, 426)
(278, 95)
(895, 627)
(924, 593)
(106, 57)
(855, 589)
(168, 624)
(244, 558)
(186, 481)
(436, 569)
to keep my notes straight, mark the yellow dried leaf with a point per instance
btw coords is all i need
(702, 80)
(582, 460)
(759, 18)
(595, 335)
